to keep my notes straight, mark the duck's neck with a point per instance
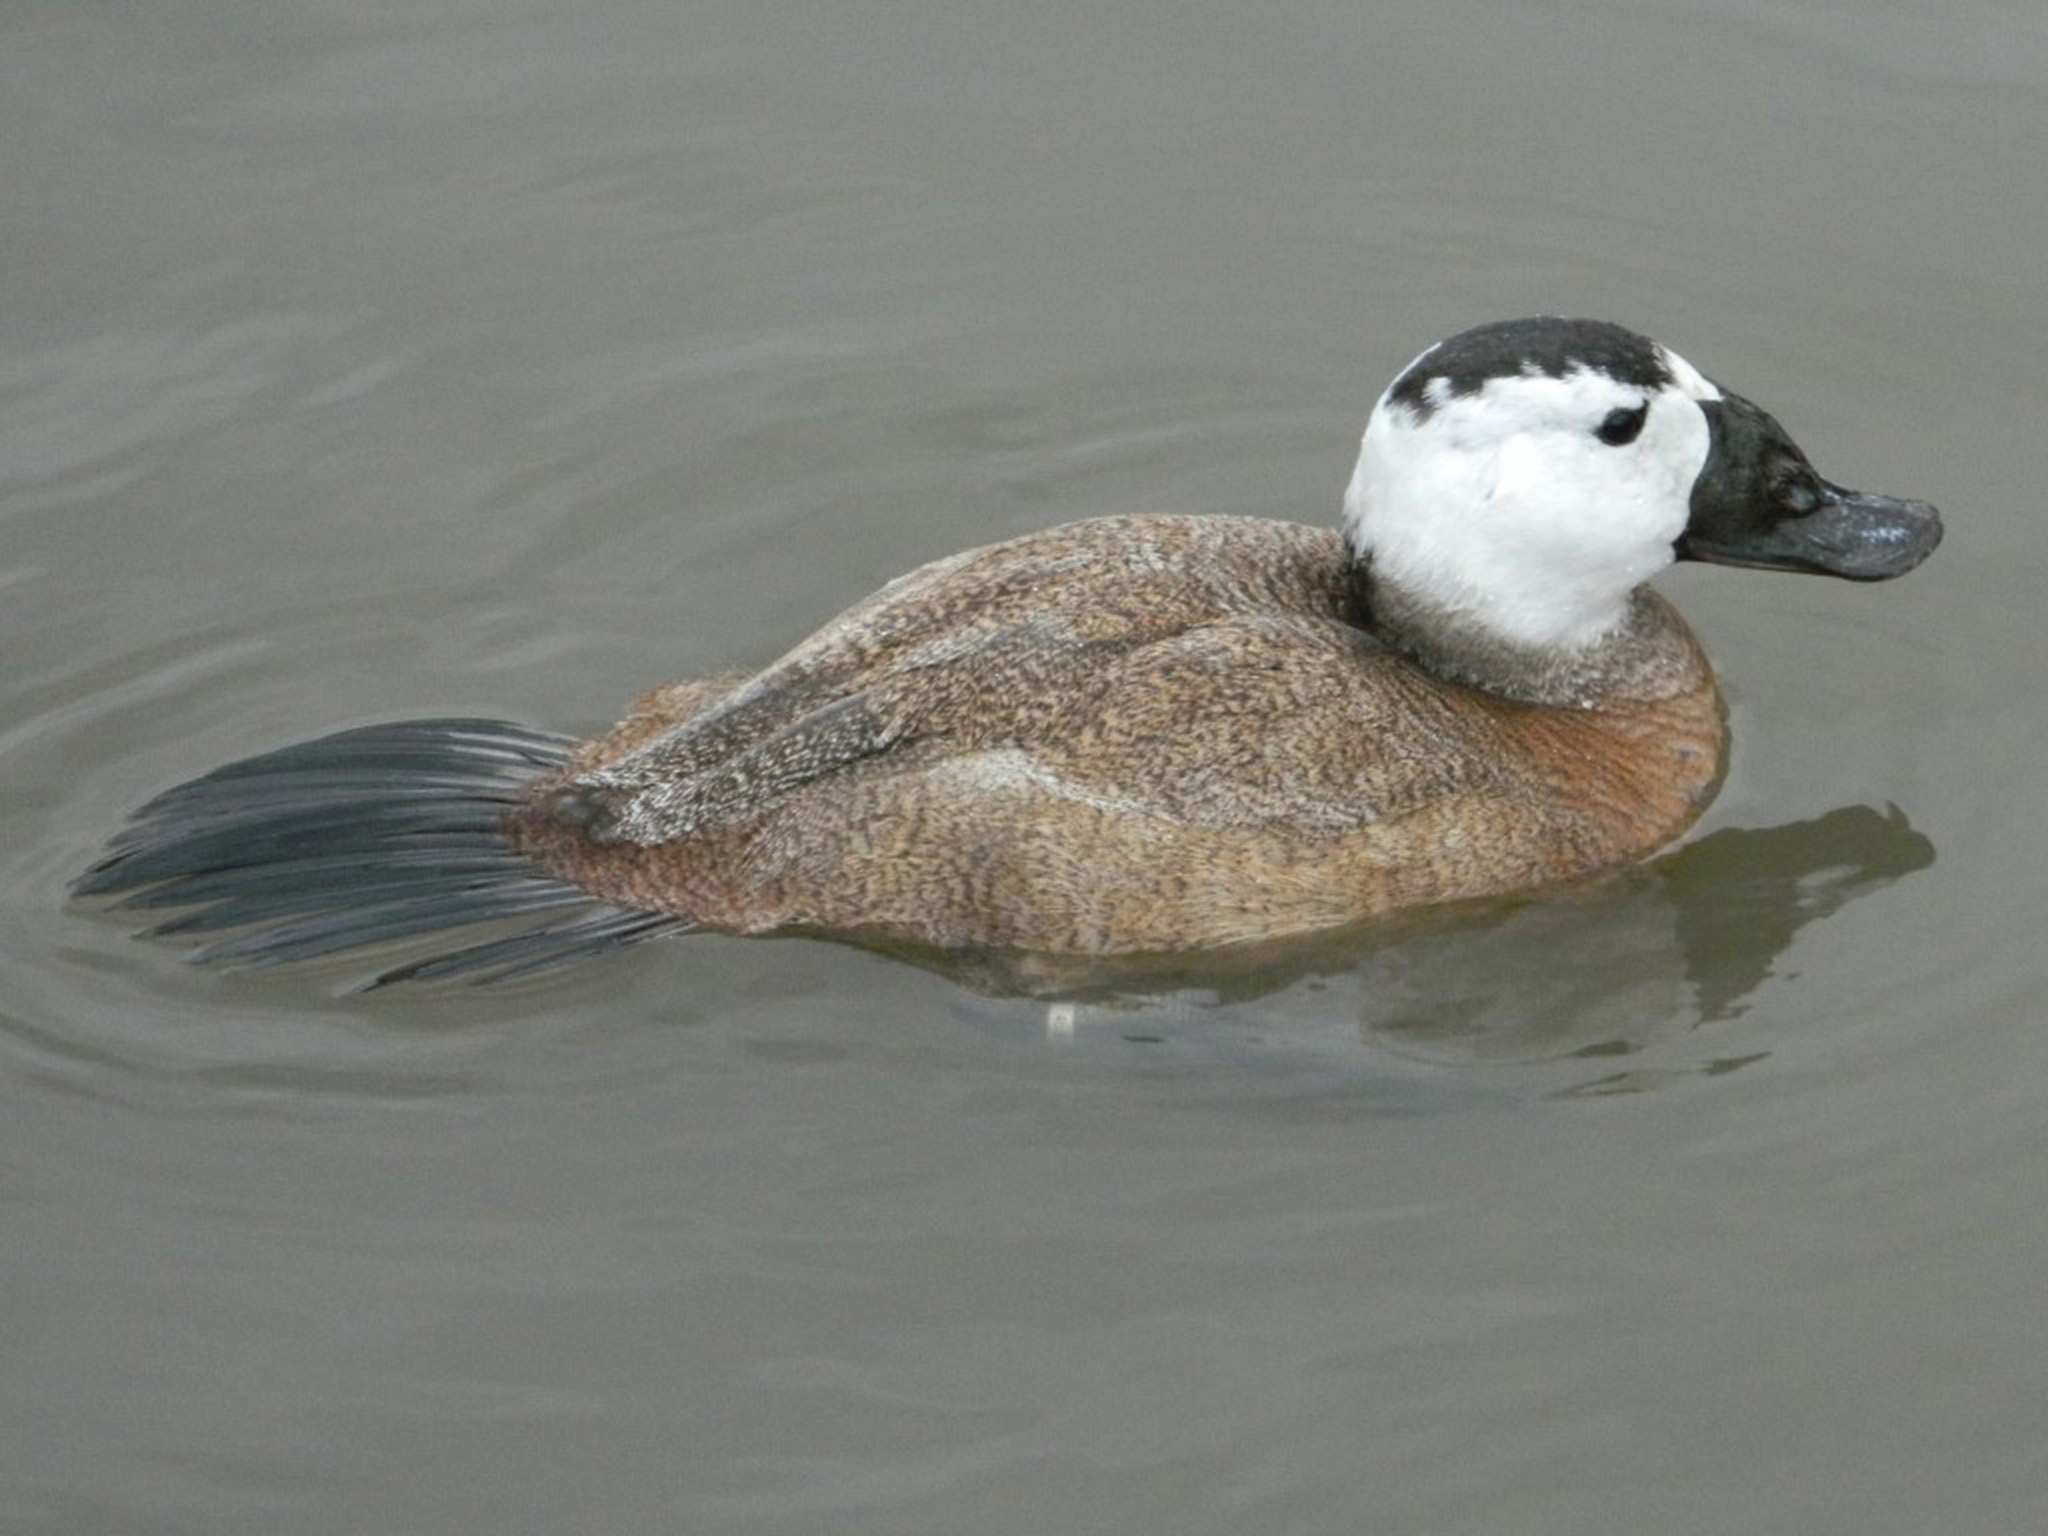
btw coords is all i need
(1649, 655)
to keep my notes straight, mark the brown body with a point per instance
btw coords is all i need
(1131, 735)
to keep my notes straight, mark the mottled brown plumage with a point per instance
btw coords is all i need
(1127, 735)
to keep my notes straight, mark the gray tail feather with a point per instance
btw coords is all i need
(387, 833)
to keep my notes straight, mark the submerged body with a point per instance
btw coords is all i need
(1128, 735)
(1121, 737)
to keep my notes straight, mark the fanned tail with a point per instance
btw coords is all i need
(369, 836)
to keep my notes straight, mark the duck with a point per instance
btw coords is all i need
(1133, 735)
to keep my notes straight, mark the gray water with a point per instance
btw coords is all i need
(360, 361)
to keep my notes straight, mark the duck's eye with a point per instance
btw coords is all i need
(1623, 426)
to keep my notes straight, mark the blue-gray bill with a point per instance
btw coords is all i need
(1855, 535)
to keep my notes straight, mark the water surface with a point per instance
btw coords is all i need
(491, 357)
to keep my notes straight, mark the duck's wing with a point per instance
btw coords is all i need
(1297, 724)
(1250, 777)
(979, 649)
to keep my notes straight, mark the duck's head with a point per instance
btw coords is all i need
(1518, 482)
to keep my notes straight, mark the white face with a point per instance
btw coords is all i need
(1506, 509)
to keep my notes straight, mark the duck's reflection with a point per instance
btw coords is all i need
(1658, 950)
(1605, 968)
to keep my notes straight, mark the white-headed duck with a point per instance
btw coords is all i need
(1131, 735)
